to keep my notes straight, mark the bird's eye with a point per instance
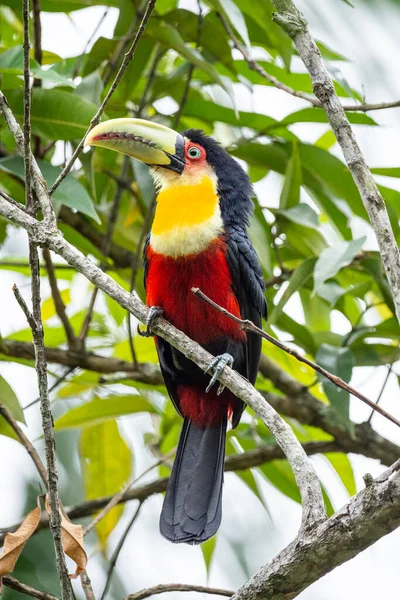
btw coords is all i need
(194, 152)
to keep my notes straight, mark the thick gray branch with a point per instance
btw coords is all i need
(370, 515)
(294, 24)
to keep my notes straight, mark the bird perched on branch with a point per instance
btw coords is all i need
(198, 239)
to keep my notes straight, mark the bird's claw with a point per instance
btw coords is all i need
(154, 312)
(217, 365)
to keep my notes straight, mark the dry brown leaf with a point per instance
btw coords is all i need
(14, 542)
(72, 541)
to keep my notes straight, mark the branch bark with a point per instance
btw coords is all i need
(295, 25)
(371, 514)
(28, 590)
(178, 587)
(248, 325)
(306, 478)
(234, 462)
(255, 66)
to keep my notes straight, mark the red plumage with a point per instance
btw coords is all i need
(169, 283)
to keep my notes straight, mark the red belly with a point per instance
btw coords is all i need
(169, 284)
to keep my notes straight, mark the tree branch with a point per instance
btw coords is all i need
(25, 441)
(144, 372)
(255, 66)
(371, 514)
(248, 325)
(233, 462)
(116, 553)
(178, 587)
(36, 326)
(96, 119)
(294, 24)
(18, 586)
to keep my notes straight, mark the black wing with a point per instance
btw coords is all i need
(248, 286)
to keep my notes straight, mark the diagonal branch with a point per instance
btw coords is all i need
(249, 326)
(255, 66)
(234, 462)
(23, 588)
(294, 24)
(178, 587)
(371, 514)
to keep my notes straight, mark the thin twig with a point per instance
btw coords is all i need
(255, 66)
(119, 497)
(55, 385)
(150, 77)
(29, 447)
(248, 325)
(178, 587)
(12, 201)
(37, 37)
(58, 301)
(36, 326)
(23, 588)
(96, 119)
(27, 106)
(234, 462)
(37, 179)
(295, 26)
(389, 372)
(89, 41)
(116, 553)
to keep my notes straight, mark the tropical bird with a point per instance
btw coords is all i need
(198, 239)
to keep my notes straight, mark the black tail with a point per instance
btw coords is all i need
(192, 506)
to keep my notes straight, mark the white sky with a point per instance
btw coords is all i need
(147, 559)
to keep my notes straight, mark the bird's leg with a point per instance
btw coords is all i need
(154, 312)
(217, 365)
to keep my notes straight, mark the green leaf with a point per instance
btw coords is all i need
(170, 37)
(106, 465)
(318, 115)
(213, 36)
(302, 214)
(55, 114)
(280, 474)
(298, 279)
(340, 362)
(104, 409)
(208, 549)
(91, 88)
(70, 192)
(9, 399)
(387, 171)
(235, 17)
(335, 258)
(290, 195)
(342, 465)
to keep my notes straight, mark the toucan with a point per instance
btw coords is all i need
(198, 239)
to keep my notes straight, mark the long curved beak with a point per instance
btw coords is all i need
(151, 143)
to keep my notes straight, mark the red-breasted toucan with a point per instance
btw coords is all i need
(198, 239)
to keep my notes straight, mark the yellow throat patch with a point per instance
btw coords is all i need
(187, 218)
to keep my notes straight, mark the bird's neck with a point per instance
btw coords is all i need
(187, 218)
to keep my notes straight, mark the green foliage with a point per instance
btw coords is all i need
(320, 266)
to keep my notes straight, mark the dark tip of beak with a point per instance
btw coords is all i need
(178, 162)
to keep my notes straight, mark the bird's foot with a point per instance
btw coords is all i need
(217, 365)
(154, 312)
